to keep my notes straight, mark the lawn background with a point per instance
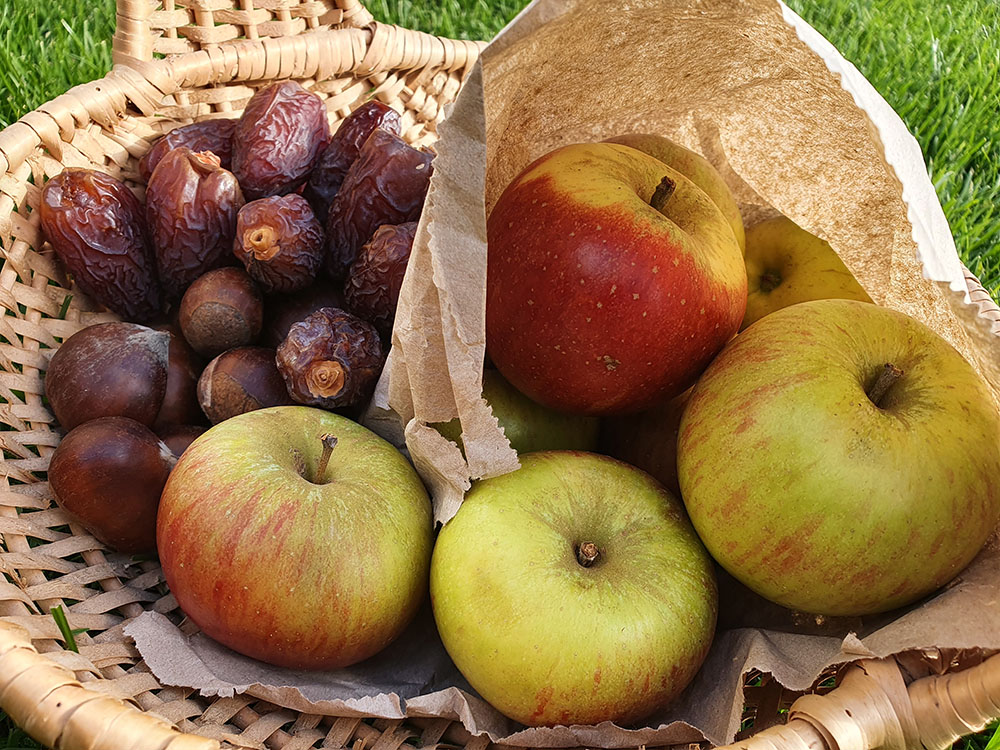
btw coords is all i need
(936, 63)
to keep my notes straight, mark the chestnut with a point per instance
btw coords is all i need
(108, 370)
(180, 401)
(241, 380)
(177, 437)
(221, 310)
(107, 475)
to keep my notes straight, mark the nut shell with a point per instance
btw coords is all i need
(178, 437)
(332, 359)
(221, 310)
(241, 380)
(180, 400)
(109, 369)
(108, 475)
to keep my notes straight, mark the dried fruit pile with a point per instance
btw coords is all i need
(263, 269)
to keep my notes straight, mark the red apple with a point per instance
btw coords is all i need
(612, 280)
(695, 167)
(289, 559)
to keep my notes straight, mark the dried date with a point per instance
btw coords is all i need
(279, 139)
(191, 208)
(385, 185)
(376, 276)
(97, 229)
(282, 311)
(332, 359)
(209, 135)
(280, 242)
(337, 158)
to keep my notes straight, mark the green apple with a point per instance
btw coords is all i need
(787, 265)
(695, 167)
(648, 440)
(841, 458)
(528, 426)
(573, 591)
(290, 553)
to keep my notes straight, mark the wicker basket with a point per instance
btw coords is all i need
(104, 697)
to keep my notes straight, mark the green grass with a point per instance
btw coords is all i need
(937, 64)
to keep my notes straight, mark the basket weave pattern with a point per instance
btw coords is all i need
(171, 27)
(219, 53)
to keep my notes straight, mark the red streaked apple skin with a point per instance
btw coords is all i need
(818, 499)
(289, 572)
(597, 303)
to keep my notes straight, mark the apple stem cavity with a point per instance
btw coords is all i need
(770, 281)
(889, 375)
(329, 443)
(587, 554)
(662, 194)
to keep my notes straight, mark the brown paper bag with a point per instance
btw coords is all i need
(794, 129)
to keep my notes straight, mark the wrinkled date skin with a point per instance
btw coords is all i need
(96, 227)
(280, 242)
(376, 276)
(279, 139)
(332, 359)
(329, 173)
(191, 208)
(282, 311)
(209, 135)
(385, 185)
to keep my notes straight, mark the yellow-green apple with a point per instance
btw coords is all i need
(787, 265)
(841, 458)
(529, 426)
(612, 280)
(291, 553)
(648, 440)
(692, 165)
(573, 591)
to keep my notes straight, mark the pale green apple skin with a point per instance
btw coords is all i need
(286, 571)
(808, 269)
(529, 426)
(547, 641)
(695, 167)
(819, 500)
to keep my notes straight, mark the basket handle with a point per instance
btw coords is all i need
(874, 708)
(142, 30)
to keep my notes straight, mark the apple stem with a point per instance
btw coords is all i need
(587, 554)
(889, 375)
(329, 443)
(662, 193)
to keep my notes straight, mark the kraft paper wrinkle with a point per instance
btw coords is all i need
(794, 129)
